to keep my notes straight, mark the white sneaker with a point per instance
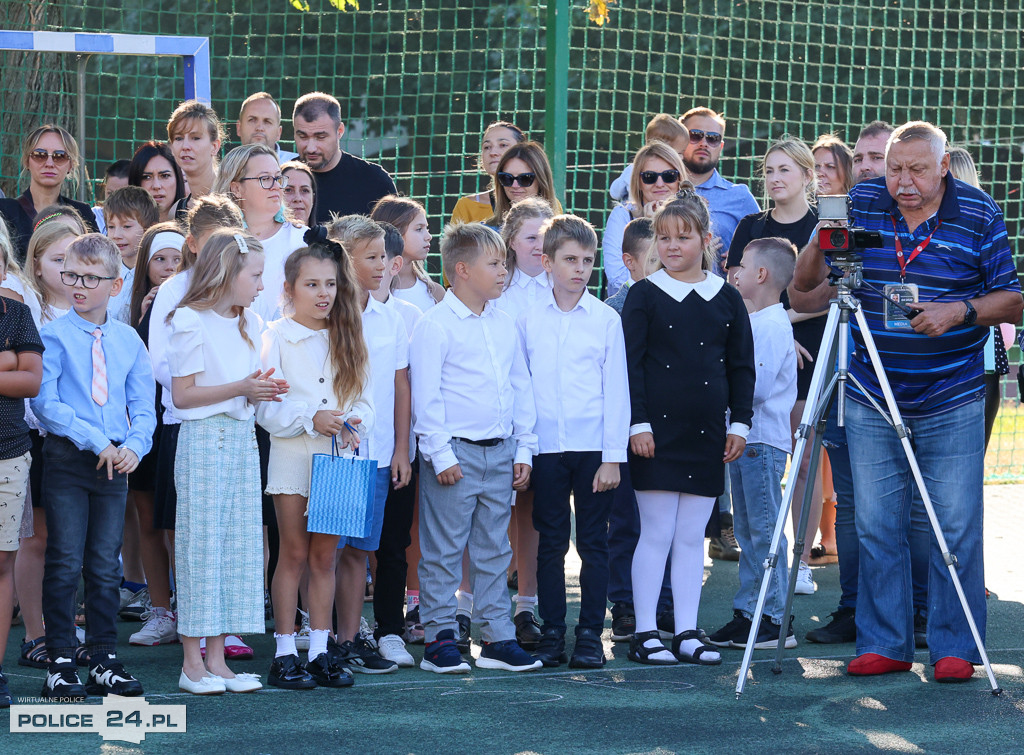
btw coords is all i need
(302, 636)
(136, 606)
(161, 628)
(804, 581)
(392, 647)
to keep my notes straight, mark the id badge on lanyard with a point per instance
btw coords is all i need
(902, 292)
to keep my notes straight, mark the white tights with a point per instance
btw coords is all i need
(670, 522)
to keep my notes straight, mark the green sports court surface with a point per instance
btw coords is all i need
(625, 708)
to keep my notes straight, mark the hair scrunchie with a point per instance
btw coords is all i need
(317, 236)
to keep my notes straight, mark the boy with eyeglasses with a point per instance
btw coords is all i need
(96, 405)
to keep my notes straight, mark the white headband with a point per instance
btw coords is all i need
(167, 240)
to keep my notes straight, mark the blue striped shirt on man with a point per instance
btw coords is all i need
(969, 256)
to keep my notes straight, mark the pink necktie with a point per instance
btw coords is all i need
(99, 370)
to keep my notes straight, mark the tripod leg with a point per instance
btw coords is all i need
(818, 393)
(948, 558)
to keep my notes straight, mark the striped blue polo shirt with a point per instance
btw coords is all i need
(969, 256)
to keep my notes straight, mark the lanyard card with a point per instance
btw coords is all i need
(903, 293)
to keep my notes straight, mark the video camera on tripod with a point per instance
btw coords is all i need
(838, 240)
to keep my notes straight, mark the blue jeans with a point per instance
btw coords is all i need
(757, 499)
(85, 520)
(950, 449)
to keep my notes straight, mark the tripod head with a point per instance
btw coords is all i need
(846, 273)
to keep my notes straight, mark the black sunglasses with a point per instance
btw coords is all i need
(651, 176)
(525, 180)
(711, 137)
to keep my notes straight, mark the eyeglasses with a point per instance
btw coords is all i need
(59, 156)
(525, 180)
(267, 182)
(651, 176)
(88, 281)
(711, 137)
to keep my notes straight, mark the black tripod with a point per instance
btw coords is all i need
(834, 344)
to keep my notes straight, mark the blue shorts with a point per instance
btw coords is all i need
(372, 541)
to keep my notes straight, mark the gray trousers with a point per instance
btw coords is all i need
(475, 511)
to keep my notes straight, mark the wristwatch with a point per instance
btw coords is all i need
(971, 315)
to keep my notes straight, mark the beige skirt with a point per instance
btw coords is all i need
(291, 460)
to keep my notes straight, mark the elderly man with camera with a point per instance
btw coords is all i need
(943, 271)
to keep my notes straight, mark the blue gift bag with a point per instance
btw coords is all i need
(341, 492)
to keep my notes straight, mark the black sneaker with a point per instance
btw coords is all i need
(359, 656)
(527, 630)
(589, 650)
(551, 648)
(768, 636)
(326, 673)
(463, 642)
(920, 629)
(5, 691)
(842, 628)
(735, 631)
(109, 676)
(287, 673)
(62, 682)
(623, 622)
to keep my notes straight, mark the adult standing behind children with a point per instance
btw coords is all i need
(498, 138)
(259, 122)
(345, 184)
(50, 155)
(763, 274)
(195, 134)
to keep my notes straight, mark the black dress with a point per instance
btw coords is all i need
(688, 362)
(19, 219)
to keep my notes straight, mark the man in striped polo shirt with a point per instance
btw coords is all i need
(945, 250)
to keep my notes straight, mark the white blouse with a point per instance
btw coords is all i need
(302, 357)
(418, 294)
(210, 346)
(276, 250)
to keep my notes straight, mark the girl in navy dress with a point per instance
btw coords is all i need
(690, 357)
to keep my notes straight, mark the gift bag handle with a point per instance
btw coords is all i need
(334, 442)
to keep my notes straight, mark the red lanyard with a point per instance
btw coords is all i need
(917, 249)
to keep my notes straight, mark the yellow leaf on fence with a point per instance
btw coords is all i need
(598, 11)
(343, 4)
(299, 5)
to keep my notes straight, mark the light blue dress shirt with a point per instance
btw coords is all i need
(65, 405)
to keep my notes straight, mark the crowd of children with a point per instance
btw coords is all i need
(182, 370)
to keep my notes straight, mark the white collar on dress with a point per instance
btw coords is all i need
(678, 290)
(294, 332)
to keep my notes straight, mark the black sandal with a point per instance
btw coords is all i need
(640, 653)
(682, 655)
(33, 653)
(82, 656)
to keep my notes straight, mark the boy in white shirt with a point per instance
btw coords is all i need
(574, 349)
(763, 274)
(388, 346)
(474, 416)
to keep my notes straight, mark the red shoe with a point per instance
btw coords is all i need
(235, 649)
(871, 664)
(951, 669)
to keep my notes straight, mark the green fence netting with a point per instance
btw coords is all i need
(419, 81)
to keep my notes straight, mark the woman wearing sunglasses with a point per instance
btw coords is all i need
(498, 138)
(252, 177)
(524, 171)
(50, 155)
(657, 173)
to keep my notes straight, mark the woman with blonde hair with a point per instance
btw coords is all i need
(656, 177)
(50, 157)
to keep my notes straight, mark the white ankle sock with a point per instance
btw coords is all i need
(317, 642)
(525, 603)
(465, 602)
(285, 644)
(412, 599)
(664, 653)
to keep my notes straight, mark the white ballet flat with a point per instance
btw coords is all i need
(242, 683)
(208, 685)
